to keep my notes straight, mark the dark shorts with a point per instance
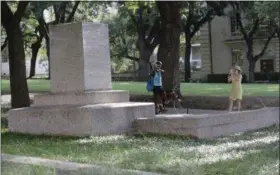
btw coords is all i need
(158, 90)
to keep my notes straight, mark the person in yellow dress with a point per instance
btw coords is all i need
(235, 77)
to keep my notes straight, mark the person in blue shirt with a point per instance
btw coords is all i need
(159, 93)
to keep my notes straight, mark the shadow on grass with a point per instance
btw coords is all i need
(17, 169)
(253, 161)
(249, 135)
(4, 120)
(164, 154)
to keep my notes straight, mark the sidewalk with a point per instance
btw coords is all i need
(69, 168)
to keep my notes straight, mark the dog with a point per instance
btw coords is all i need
(173, 98)
(170, 97)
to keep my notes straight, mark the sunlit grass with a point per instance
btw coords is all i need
(242, 153)
(138, 88)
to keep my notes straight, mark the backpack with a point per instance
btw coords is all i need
(150, 84)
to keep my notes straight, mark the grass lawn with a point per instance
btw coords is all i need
(250, 153)
(138, 88)
(17, 169)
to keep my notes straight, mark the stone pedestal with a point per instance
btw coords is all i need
(208, 125)
(80, 57)
(81, 101)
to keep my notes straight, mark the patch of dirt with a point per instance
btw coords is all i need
(216, 103)
(195, 102)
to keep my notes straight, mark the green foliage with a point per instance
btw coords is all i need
(3, 35)
(270, 11)
(252, 11)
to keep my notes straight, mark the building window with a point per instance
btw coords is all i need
(267, 66)
(233, 25)
(237, 57)
(263, 30)
(4, 59)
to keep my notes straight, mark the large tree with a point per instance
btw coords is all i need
(169, 48)
(194, 15)
(64, 13)
(145, 19)
(249, 22)
(270, 11)
(11, 23)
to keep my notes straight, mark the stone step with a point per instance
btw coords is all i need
(208, 125)
(78, 120)
(81, 98)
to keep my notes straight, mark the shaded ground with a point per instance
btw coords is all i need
(188, 89)
(18, 169)
(192, 111)
(197, 102)
(196, 95)
(217, 103)
(255, 153)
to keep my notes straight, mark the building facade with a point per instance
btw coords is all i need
(222, 45)
(41, 65)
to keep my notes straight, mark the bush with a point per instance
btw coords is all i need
(221, 78)
(259, 76)
(272, 77)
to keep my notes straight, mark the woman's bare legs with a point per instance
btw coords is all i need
(239, 104)
(230, 105)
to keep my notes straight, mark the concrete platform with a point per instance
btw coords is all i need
(208, 125)
(81, 98)
(82, 120)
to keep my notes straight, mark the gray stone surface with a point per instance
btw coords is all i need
(208, 125)
(80, 57)
(81, 102)
(84, 97)
(69, 168)
(73, 120)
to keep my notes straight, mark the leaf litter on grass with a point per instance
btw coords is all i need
(240, 153)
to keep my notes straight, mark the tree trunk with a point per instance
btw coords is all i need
(279, 45)
(143, 70)
(48, 55)
(177, 83)
(169, 47)
(145, 54)
(35, 49)
(188, 58)
(251, 62)
(18, 84)
(252, 71)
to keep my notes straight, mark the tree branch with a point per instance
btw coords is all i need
(201, 22)
(254, 28)
(240, 24)
(70, 17)
(131, 58)
(20, 10)
(218, 6)
(190, 16)
(60, 13)
(55, 14)
(140, 21)
(265, 46)
(153, 35)
(4, 44)
(6, 14)
(124, 54)
(236, 10)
